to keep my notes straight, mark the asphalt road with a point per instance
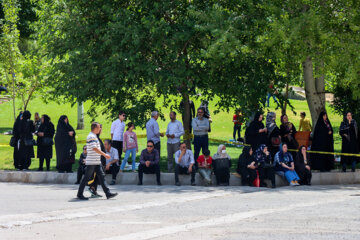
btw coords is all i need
(29, 211)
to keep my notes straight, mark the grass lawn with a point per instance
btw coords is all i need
(222, 128)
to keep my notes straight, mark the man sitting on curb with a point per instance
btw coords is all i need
(112, 164)
(184, 164)
(149, 162)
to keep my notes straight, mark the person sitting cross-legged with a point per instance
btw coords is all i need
(149, 162)
(112, 164)
(204, 163)
(184, 164)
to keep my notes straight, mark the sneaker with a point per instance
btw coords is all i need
(111, 195)
(112, 182)
(81, 197)
(178, 184)
(159, 184)
(94, 194)
(193, 184)
(139, 183)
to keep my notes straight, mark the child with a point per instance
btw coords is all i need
(130, 145)
(82, 166)
(204, 163)
(305, 124)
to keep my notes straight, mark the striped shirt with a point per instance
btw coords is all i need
(92, 157)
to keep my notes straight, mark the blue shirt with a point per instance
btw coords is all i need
(152, 131)
(186, 160)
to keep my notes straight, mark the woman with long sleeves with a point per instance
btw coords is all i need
(256, 134)
(247, 167)
(222, 163)
(265, 166)
(65, 145)
(45, 142)
(284, 165)
(302, 166)
(323, 141)
(273, 134)
(287, 132)
(349, 134)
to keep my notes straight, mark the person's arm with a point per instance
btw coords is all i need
(205, 125)
(157, 158)
(156, 129)
(136, 143)
(125, 141)
(178, 156)
(112, 130)
(98, 151)
(142, 158)
(167, 131)
(180, 131)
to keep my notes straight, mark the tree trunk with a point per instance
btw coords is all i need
(314, 90)
(187, 117)
(80, 116)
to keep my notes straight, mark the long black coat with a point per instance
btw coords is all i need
(253, 137)
(285, 130)
(300, 165)
(45, 151)
(348, 132)
(65, 145)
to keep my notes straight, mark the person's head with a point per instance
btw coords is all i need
(100, 129)
(95, 127)
(122, 116)
(324, 116)
(200, 112)
(130, 126)
(284, 119)
(107, 145)
(37, 116)
(349, 116)
(270, 117)
(302, 114)
(247, 151)
(150, 146)
(251, 151)
(84, 149)
(45, 118)
(302, 150)
(258, 117)
(182, 146)
(221, 149)
(155, 115)
(206, 152)
(265, 149)
(238, 112)
(173, 116)
(26, 115)
(284, 147)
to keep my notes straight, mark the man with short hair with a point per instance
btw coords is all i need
(153, 132)
(93, 163)
(184, 164)
(117, 132)
(149, 162)
(174, 131)
(112, 164)
(200, 126)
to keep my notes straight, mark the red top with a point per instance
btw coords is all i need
(237, 117)
(201, 161)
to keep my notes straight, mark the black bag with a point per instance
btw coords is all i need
(12, 141)
(29, 142)
(47, 141)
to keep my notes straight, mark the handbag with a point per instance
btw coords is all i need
(29, 142)
(47, 141)
(12, 141)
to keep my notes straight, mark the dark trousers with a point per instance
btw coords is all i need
(305, 177)
(41, 163)
(89, 173)
(157, 146)
(237, 128)
(247, 176)
(200, 142)
(184, 170)
(114, 170)
(152, 169)
(66, 167)
(266, 173)
(119, 146)
(80, 173)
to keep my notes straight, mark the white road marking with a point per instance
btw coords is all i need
(221, 220)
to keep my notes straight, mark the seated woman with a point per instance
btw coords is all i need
(284, 165)
(302, 166)
(222, 164)
(247, 167)
(265, 167)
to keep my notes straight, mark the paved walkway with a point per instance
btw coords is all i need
(169, 212)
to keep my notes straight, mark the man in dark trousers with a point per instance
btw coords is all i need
(93, 163)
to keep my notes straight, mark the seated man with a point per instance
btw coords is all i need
(184, 164)
(149, 162)
(112, 164)
(204, 163)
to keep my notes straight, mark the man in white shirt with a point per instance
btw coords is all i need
(153, 131)
(174, 131)
(93, 163)
(184, 160)
(117, 132)
(112, 164)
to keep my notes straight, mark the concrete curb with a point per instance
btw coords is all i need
(328, 178)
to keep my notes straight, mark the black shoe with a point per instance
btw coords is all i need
(159, 184)
(81, 197)
(111, 195)
(353, 170)
(263, 185)
(193, 184)
(112, 182)
(178, 184)
(40, 169)
(77, 182)
(139, 183)
(273, 186)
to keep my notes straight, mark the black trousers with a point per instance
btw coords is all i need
(305, 177)
(157, 146)
(266, 173)
(80, 173)
(184, 170)
(41, 163)
(66, 167)
(114, 170)
(119, 146)
(152, 169)
(247, 176)
(237, 129)
(89, 173)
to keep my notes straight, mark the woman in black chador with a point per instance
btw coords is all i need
(45, 142)
(24, 146)
(349, 133)
(256, 134)
(323, 141)
(302, 166)
(65, 145)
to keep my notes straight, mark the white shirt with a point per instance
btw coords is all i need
(114, 156)
(186, 160)
(175, 128)
(117, 129)
(152, 131)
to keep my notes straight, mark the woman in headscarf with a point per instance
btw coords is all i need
(323, 141)
(256, 133)
(247, 167)
(15, 139)
(287, 133)
(65, 145)
(45, 142)
(265, 166)
(284, 165)
(24, 147)
(273, 134)
(302, 166)
(349, 134)
(222, 164)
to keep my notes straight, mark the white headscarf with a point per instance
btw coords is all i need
(219, 153)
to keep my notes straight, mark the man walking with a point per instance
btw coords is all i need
(173, 132)
(200, 126)
(153, 132)
(93, 163)
(117, 133)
